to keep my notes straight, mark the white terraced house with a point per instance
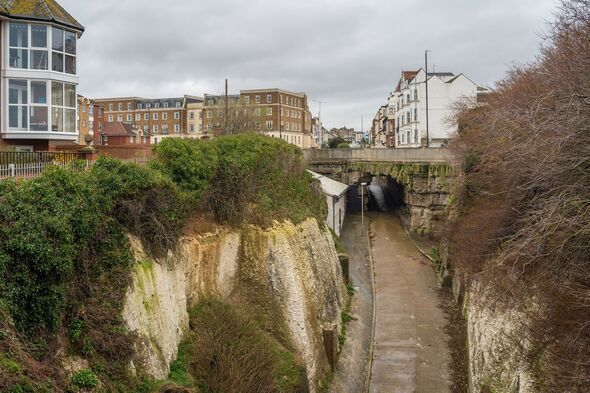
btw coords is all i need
(407, 106)
(38, 98)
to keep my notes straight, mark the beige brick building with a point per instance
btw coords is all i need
(278, 113)
(159, 116)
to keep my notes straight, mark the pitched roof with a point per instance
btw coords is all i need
(118, 129)
(42, 10)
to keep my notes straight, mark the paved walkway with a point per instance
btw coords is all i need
(411, 351)
(351, 370)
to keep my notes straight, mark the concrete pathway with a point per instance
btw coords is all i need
(351, 369)
(411, 351)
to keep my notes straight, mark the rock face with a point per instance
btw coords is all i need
(497, 346)
(292, 271)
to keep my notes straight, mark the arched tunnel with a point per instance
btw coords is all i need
(382, 193)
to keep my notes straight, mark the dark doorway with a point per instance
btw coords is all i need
(382, 193)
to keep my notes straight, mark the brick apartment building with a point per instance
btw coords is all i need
(159, 116)
(39, 79)
(85, 119)
(275, 112)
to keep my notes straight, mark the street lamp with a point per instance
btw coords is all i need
(363, 185)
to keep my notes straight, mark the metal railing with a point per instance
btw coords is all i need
(31, 164)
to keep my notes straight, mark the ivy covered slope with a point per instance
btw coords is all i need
(65, 259)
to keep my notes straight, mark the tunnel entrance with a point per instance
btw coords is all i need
(382, 194)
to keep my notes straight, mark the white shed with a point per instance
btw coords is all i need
(336, 196)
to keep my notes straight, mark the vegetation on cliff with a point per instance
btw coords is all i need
(526, 158)
(65, 258)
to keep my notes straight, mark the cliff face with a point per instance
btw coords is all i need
(291, 273)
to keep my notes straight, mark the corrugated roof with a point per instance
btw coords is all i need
(43, 10)
(330, 187)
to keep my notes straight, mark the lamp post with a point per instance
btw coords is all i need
(363, 185)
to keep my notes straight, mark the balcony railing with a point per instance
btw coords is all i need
(31, 164)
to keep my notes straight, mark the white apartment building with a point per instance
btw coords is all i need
(407, 106)
(39, 75)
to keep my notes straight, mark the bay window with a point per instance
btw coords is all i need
(29, 48)
(29, 107)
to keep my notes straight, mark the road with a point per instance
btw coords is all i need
(411, 350)
(351, 370)
(411, 347)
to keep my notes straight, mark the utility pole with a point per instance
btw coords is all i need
(280, 115)
(226, 109)
(426, 71)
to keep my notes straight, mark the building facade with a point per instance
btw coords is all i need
(275, 112)
(122, 134)
(407, 107)
(85, 119)
(158, 116)
(38, 99)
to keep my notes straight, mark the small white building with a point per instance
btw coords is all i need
(336, 197)
(407, 106)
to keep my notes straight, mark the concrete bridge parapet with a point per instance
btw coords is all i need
(432, 155)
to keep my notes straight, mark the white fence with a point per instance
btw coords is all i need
(34, 169)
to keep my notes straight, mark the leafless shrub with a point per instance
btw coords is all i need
(526, 197)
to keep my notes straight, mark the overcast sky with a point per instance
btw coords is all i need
(347, 53)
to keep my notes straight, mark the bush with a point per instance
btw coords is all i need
(248, 178)
(334, 142)
(84, 379)
(343, 145)
(227, 351)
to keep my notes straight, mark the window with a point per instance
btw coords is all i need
(63, 107)
(129, 118)
(119, 117)
(146, 116)
(258, 99)
(415, 136)
(209, 114)
(164, 128)
(63, 55)
(164, 116)
(166, 105)
(269, 98)
(157, 105)
(192, 128)
(257, 111)
(247, 100)
(139, 106)
(416, 95)
(155, 129)
(110, 107)
(269, 111)
(287, 126)
(178, 104)
(177, 115)
(415, 114)
(192, 115)
(128, 106)
(200, 115)
(110, 118)
(119, 107)
(19, 54)
(137, 117)
(269, 125)
(148, 106)
(176, 127)
(156, 115)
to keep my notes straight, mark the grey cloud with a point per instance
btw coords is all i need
(349, 53)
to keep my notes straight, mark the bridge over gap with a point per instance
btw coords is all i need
(422, 179)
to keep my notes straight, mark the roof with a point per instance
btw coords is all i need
(118, 129)
(330, 187)
(40, 10)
